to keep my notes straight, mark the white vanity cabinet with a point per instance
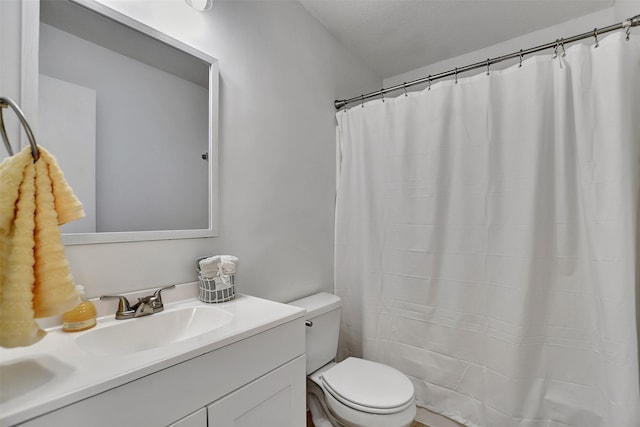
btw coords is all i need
(258, 380)
(272, 400)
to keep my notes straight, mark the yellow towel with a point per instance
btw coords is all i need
(68, 206)
(17, 324)
(35, 279)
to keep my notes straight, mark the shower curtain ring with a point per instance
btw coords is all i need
(382, 94)
(627, 28)
(362, 100)
(564, 52)
(521, 55)
(404, 86)
(429, 82)
(555, 49)
(488, 63)
(595, 36)
(456, 75)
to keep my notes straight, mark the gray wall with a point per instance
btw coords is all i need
(279, 73)
(10, 69)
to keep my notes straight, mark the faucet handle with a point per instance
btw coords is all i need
(158, 293)
(156, 300)
(123, 304)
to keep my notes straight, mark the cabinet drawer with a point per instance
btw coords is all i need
(273, 400)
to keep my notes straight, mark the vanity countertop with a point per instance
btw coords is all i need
(56, 371)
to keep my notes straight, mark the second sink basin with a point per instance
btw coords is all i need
(156, 330)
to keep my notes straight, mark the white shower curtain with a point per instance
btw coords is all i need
(486, 240)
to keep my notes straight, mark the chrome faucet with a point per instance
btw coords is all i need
(144, 307)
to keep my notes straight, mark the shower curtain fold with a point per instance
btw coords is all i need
(486, 239)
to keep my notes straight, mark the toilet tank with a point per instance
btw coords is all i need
(323, 311)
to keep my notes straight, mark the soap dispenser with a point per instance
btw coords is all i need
(82, 317)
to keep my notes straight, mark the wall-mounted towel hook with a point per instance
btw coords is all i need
(8, 102)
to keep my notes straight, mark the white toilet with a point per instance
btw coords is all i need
(354, 392)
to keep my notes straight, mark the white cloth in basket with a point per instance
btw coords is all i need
(220, 265)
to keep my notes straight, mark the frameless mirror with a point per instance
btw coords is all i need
(131, 116)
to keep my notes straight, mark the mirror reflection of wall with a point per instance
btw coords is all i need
(128, 130)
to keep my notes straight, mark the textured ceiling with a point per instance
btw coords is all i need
(396, 36)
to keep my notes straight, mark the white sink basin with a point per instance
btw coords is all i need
(156, 330)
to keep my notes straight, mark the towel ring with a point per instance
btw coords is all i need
(8, 102)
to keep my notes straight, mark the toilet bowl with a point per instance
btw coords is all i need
(354, 392)
(361, 393)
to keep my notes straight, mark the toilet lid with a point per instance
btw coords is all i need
(369, 386)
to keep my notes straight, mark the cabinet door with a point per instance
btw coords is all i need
(197, 419)
(276, 399)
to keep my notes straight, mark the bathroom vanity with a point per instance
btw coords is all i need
(240, 363)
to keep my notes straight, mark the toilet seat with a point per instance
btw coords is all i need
(368, 386)
(347, 416)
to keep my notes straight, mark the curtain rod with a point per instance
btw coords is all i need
(557, 44)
